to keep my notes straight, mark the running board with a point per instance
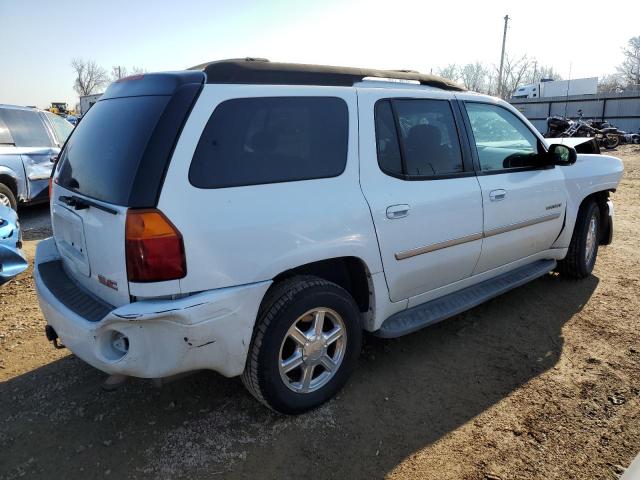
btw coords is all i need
(420, 316)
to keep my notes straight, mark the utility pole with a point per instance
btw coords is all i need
(504, 41)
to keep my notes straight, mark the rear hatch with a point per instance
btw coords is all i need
(114, 161)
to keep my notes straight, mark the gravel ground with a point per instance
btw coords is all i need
(540, 383)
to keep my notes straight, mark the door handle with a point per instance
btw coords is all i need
(398, 211)
(497, 195)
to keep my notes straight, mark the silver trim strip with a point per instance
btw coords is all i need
(516, 226)
(474, 236)
(438, 246)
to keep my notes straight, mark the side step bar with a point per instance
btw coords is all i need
(420, 316)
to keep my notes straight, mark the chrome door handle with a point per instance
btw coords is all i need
(497, 195)
(398, 211)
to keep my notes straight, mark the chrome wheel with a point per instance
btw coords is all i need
(312, 350)
(592, 240)
(4, 200)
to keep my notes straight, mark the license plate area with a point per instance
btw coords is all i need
(68, 232)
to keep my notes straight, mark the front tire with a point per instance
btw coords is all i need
(583, 249)
(305, 345)
(611, 141)
(7, 198)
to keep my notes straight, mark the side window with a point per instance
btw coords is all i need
(250, 141)
(502, 140)
(389, 158)
(428, 139)
(5, 135)
(26, 128)
(61, 127)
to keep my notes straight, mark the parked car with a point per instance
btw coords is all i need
(254, 218)
(29, 140)
(12, 260)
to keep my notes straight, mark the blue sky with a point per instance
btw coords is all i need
(43, 36)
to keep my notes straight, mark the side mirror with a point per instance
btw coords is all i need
(563, 155)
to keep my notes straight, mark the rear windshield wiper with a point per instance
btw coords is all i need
(82, 203)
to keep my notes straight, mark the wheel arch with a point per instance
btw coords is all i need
(350, 273)
(10, 181)
(606, 227)
(601, 197)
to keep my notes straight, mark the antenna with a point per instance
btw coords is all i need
(566, 96)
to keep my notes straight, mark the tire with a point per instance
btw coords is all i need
(7, 197)
(294, 302)
(578, 264)
(611, 141)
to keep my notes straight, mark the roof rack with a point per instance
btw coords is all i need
(263, 72)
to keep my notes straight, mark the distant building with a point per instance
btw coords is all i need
(88, 101)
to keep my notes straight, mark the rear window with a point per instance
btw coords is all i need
(61, 127)
(102, 155)
(26, 127)
(252, 141)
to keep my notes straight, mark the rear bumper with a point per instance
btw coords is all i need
(209, 330)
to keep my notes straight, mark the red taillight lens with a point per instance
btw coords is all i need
(154, 247)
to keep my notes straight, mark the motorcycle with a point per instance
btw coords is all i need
(607, 136)
(12, 260)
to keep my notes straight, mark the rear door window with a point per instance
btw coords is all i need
(26, 128)
(417, 138)
(250, 141)
(102, 156)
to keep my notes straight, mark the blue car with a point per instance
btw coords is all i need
(12, 260)
(30, 140)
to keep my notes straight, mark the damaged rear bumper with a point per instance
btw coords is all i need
(151, 338)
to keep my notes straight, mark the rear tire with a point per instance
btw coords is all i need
(7, 198)
(286, 334)
(583, 249)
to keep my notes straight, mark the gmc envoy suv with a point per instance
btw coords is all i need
(254, 218)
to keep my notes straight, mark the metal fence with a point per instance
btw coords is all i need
(620, 109)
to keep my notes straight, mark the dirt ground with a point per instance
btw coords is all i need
(540, 383)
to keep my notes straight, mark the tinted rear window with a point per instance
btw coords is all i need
(251, 141)
(26, 127)
(102, 155)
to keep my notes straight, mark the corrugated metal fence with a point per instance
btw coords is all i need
(620, 109)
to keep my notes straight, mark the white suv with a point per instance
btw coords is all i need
(254, 218)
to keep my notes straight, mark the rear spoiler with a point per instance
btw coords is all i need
(164, 83)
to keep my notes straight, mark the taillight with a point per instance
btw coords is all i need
(154, 247)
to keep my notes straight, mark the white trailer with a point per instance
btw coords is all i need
(558, 88)
(87, 101)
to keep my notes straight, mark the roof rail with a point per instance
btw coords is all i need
(263, 72)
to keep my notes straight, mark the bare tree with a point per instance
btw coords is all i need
(89, 76)
(513, 75)
(118, 72)
(610, 84)
(537, 72)
(629, 69)
(474, 76)
(450, 72)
